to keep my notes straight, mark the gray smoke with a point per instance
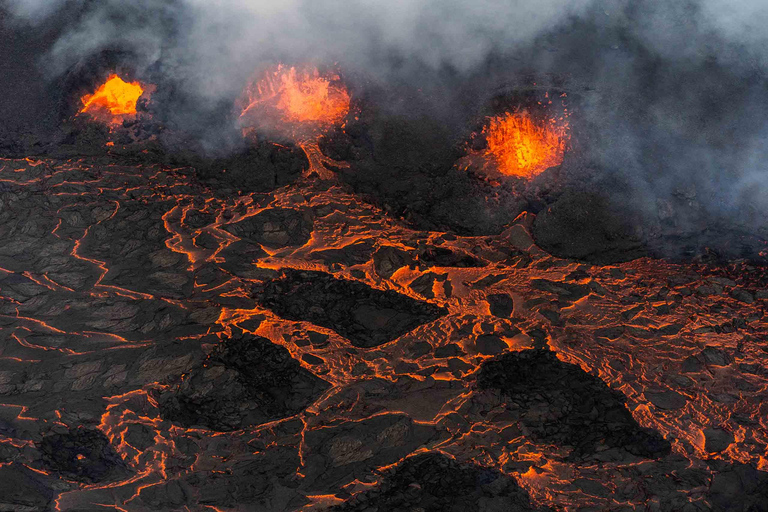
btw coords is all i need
(677, 94)
(213, 43)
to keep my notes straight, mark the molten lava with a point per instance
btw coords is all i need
(300, 102)
(113, 101)
(522, 146)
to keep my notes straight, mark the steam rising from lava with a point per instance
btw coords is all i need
(523, 147)
(113, 101)
(297, 103)
(674, 90)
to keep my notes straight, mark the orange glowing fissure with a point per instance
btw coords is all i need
(115, 97)
(523, 147)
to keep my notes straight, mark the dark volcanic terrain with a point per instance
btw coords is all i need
(167, 346)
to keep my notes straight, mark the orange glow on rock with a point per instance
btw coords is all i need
(523, 147)
(293, 100)
(114, 100)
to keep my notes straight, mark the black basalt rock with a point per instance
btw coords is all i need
(246, 380)
(581, 410)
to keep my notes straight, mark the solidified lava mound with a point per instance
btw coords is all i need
(432, 482)
(365, 316)
(82, 454)
(246, 380)
(581, 410)
(582, 226)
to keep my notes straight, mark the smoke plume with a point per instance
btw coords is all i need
(674, 92)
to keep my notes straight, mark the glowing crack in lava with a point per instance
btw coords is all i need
(113, 101)
(524, 147)
(297, 103)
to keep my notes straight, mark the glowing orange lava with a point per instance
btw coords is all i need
(296, 101)
(523, 147)
(114, 100)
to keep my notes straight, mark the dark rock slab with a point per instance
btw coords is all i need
(246, 380)
(490, 344)
(716, 357)
(387, 260)
(742, 295)
(690, 364)
(432, 482)
(449, 350)
(444, 257)
(255, 482)
(611, 332)
(666, 400)
(82, 454)
(352, 254)
(424, 285)
(568, 292)
(139, 436)
(501, 305)
(260, 167)
(239, 256)
(20, 489)
(581, 410)
(334, 456)
(276, 227)
(717, 439)
(738, 487)
(365, 316)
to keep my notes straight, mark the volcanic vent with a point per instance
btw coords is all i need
(114, 101)
(298, 104)
(325, 298)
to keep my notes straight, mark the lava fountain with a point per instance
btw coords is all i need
(114, 101)
(523, 146)
(298, 103)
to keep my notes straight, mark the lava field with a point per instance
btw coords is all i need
(166, 348)
(346, 313)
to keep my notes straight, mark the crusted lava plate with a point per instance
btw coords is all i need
(246, 380)
(365, 316)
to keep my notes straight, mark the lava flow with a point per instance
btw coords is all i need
(300, 104)
(114, 101)
(166, 346)
(523, 146)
